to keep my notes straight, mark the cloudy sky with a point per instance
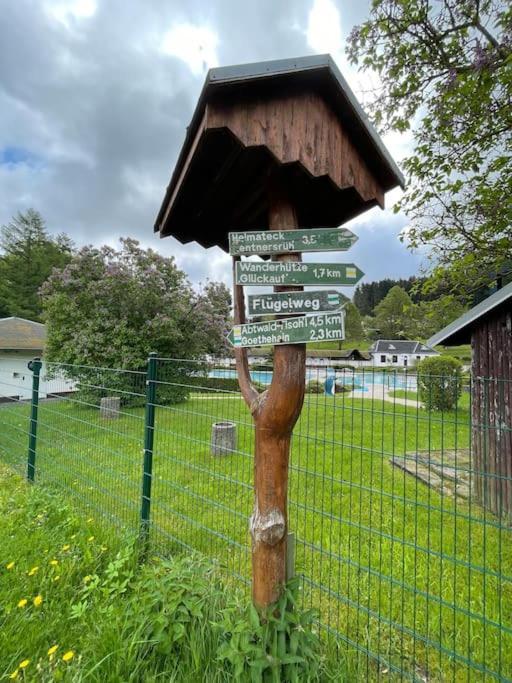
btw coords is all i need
(95, 96)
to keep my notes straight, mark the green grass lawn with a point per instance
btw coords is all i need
(420, 579)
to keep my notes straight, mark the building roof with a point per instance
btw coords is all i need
(459, 331)
(404, 346)
(317, 73)
(18, 334)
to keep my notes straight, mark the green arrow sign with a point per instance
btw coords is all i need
(294, 302)
(293, 273)
(320, 327)
(264, 242)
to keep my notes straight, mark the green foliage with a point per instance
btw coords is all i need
(353, 324)
(392, 314)
(170, 620)
(29, 256)
(314, 387)
(279, 645)
(428, 317)
(367, 295)
(448, 64)
(439, 382)
(110, 309)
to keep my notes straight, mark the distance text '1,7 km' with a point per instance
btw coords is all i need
(266, 242)
(318, 327)
(296, 273)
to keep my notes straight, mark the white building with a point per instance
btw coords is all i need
(399, 353)
(20, 342)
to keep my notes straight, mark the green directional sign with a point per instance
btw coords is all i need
(265, 242)
(294, 273)
(294, 302)
(318, 327)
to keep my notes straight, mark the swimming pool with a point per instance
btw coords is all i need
(361, 380)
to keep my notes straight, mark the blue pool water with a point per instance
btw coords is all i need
(361, 381)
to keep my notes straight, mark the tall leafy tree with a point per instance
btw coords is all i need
(445, 68)
(29, 256)
(353, 326)
(393, 314)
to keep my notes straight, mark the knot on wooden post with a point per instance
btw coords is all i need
(269, 527)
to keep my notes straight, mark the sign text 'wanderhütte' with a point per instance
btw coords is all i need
(295, 273)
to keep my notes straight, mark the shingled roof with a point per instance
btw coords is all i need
(401, 346)
(18, 334)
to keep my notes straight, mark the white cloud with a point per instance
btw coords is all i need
(324, 27)
(68, 10)
(195, 45)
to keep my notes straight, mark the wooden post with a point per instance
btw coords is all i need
(275, 412)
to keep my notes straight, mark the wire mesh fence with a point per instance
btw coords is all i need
(401, 514)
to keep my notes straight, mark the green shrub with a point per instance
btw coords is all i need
(439, 382)
(315, 387)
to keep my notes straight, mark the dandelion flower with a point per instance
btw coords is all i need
(87, 578)
(14, 674)
(24, 664)
(91, 538)
(104, 547)
(90, 520)
(38, 600)
(10, 565)
(56, 578)
(66, 547)
(54, 563)
(33, 571)
(22, 602)
(68, 656)
(52, 650)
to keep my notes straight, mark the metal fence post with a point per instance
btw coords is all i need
(35, 366)
(149, 432)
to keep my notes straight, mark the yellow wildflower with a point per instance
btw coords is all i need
(91, 538)
(38, 600)
(54, 563)
(22, 602)
(68, 656)
(90, 520)
(52, 650)
(66, 547)
(73, 536)
(56, 578)
(87, 578)
(33, 571)
(24, 664)
(104, 547)
(10, 565)
(14, 674)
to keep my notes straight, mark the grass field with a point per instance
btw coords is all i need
(418, 579)
(76, 604)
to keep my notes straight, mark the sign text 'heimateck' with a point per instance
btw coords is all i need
(265, 242)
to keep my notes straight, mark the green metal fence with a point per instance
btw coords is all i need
(398, 545)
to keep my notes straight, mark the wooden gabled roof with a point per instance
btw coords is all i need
(19, 334)
(286, 115)
(460, 330)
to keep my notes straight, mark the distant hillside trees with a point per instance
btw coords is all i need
(29, 254)
(398, 317)
(369, 294)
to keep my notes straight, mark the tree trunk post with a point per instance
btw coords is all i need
(275, 413)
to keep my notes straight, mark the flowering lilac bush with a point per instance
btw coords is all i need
(110, 309)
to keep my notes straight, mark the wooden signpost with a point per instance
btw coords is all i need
(320, 327)
(271, 148)
(267, 242)
(293, 302)
(286, 273)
